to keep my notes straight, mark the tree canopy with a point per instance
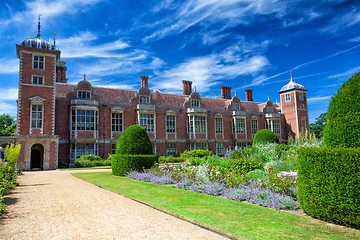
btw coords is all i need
(7, 125)
(318, 127)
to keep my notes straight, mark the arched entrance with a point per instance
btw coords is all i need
(37, 156)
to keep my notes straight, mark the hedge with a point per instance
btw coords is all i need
(329, 184)
(265, 136)
(123, 163)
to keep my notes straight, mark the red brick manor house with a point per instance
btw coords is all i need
(57, 121)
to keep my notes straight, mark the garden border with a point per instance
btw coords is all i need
(163, 211)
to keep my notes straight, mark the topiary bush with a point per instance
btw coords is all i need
(343, 117)
(134, 140)
(265, 136)
(133, 152)
(329, 184)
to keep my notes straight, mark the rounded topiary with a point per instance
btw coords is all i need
(265, 136)
(343, 117)
(135, 141)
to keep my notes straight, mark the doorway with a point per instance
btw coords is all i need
(37, 157)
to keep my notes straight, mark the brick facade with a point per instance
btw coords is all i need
(60, 121)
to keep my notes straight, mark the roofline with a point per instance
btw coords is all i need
(288, 90)
(32, 49)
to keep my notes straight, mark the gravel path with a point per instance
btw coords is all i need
(57, 205)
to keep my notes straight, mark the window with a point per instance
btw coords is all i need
(287, 97)
(84, 94)
(303, 125)
(240, 145)
(80, 149)
(37, 80)
(38, 62)
(113, 148)
(171, 149)
(170, 124)
(200, 124)
(218, 125)
(84, 120)
(202, 146)
(301, 96)
(147, 121)
(145, 99)
(269, 110)
(239, 125)
(36, 116)
(220, 148)
(116, 122)
(236, 107)
(195, 103)
(301, 106)
(273, 125)
(254, 126)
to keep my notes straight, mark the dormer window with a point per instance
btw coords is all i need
(37, 80)
(236, 107)
(84, 94)
(38, 62)
(269, 110)
(145, 99)
(195, 103)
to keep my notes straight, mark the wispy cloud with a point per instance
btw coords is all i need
(346, 73)
(9, 66)
(7, 107)
(318, 99)
(8, 93)
(81, 45)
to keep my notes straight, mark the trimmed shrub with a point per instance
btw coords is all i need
(91, 157)
(196, 153)
(343, 117)
(329, 184)
(265, 136)
(134, 140)
(124, 163)
(83, 163)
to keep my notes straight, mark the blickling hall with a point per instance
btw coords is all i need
(58, 122)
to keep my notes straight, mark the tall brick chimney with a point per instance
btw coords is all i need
(61, 71)
(186, 87)
(249, 95)
(225, 92)
(144, 81)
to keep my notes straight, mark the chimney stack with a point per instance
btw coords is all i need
(186, 87)
(144, 81)
(249, 96)
(225, 92)
(61, 71)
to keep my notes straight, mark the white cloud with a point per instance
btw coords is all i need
(8, 93)
(9, 66)
(7, 107)
(318, 99)
(346, 73)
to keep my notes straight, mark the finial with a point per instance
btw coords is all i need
(194, 88)
(268, 98)
(54, 39)
(84, 77)
(235, 94)
(291, 74)
(39, 25)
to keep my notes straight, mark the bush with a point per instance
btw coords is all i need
(124, 163)
(196, 153)
(79, 163)
(256, 175)
(265, 136)
(91, 157)
(169, 159)
(343, 117)
(134, 140)
(329, 184)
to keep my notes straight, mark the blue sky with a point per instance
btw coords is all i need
(237, 43)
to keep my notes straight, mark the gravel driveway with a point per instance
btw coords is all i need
(57, 205)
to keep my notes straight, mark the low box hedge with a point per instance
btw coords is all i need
(329, 184)
(123, 163)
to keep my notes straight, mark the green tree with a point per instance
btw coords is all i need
(7, 125)
(318, 126)
(342, 127)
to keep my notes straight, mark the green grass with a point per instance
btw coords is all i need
(233, 218)
(86, 168)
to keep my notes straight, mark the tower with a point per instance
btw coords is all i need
(294, 105)
(36, 103)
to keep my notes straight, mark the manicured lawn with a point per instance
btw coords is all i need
(233, 218)
(87, 168)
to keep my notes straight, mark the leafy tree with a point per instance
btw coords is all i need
(342, 128)
(7, 125)
(318, 127)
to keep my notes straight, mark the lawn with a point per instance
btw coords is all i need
(237, 219)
